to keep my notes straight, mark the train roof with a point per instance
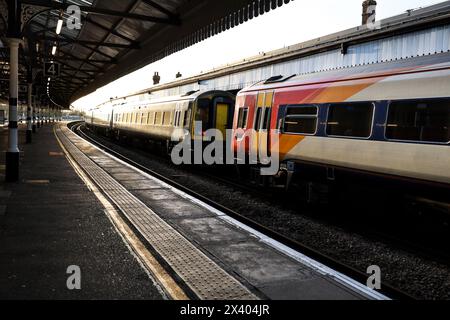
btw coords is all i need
(437, 61)
(189, 96)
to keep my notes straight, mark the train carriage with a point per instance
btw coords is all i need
(158, 119)
(390, 120)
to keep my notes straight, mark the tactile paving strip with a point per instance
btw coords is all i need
(202, 275)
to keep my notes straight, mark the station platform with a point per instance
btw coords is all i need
(50, 221)
(135, 237)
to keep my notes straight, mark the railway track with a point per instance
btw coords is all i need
(331, 262)
(371, 231)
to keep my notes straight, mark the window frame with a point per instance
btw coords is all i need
(257, 119)
(309, 117)
(158, 123)
(187, 114)
(372, 125)
(390, 102)
(266, 119)
(166, 119)
(244, 110)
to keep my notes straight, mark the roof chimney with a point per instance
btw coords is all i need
(156, 78)
(369, 11)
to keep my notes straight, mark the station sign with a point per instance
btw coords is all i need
(52, 69)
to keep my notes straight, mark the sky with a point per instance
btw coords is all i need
(290, 24)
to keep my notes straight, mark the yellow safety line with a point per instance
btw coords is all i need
(173, 290)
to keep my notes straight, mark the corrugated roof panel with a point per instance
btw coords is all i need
(415, 44)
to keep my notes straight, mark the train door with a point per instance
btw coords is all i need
(222, 115)
(264, 128)
(201, 119)
(261, 138)
(257, 123)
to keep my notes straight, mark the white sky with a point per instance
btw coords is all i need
(296, 22)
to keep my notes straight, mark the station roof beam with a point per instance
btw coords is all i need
(117, 37)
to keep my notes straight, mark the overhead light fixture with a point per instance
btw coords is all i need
(60, 23)
(59, 26)
(54, 49)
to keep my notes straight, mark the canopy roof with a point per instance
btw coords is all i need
(116, 37)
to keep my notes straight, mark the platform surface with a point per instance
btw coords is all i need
(50, 221)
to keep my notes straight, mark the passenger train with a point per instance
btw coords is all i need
(388, 120)
(383, 121)
(158, 119)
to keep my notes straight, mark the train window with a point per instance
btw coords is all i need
(186, 118)
(258, 118)
(158, 118)
(350, 120)
(305, 110)
(202, 113)
(150, 118)
(427, 121)
(266, 122)
(178, 119)
(166, 118)
(243, 118)
(301, 119)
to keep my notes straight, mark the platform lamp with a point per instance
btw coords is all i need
(60, 23)
(54, 48)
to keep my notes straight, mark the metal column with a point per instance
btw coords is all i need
(12, 155)
(14, 36)
(30, 107)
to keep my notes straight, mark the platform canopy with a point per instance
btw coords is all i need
(116, 37)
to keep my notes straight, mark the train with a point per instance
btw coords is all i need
(157, 119)
(379, 122)
(387, 121)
